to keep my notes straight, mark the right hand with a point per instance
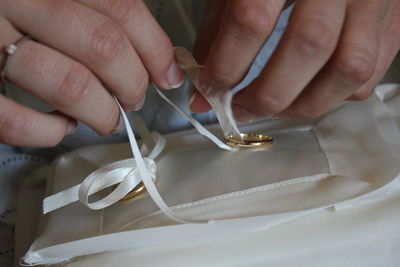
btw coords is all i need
(81, 48)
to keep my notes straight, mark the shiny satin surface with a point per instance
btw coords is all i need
(321, 179)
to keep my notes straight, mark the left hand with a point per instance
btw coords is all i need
(331, 51)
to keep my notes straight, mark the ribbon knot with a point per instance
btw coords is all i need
(125, 173)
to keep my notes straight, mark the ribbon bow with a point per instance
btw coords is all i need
(125, 173)
(129, 173)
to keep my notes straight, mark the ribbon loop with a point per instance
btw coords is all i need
(124, 172)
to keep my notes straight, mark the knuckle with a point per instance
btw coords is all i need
(158, 51)
(56, 6)
(256, 17)
(106, 43)
(160, 55)
(12, 128)
(314, 35)
(356, 67)
(73, 87)
(220, 76)
(120, 10)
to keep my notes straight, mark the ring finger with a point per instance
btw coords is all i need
(22, 126)
(64, 83)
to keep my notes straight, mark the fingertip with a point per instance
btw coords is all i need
(134, 107)
(171, 78)
(72, 126)
(119, 126)
(198, 104)
(175, 76)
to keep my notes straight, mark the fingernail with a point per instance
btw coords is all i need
(119, 126)
(72, 125)
(139, 105)
(242, 114)
(134, 107)
(175, 76)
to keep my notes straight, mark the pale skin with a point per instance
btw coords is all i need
(85, 50)
(82, 47)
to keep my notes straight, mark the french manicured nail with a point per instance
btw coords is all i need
(72, 125)
(242, 114)
(119, 126)
(175, 76)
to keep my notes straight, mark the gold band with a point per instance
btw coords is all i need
(250, 140)
(139, 189)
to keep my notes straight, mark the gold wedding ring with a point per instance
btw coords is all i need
(249, 140)
(139, 189)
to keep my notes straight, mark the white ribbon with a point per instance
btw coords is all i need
(219, 99)
(123, 172)
(197, 125)
(130, 172)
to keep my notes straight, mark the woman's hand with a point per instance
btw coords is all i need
(331, 51)
(80, 48)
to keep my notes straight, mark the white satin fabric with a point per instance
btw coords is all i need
(326, 194)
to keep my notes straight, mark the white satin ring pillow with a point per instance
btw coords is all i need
(344, 160)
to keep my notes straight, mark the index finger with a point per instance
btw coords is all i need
(244, 28)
